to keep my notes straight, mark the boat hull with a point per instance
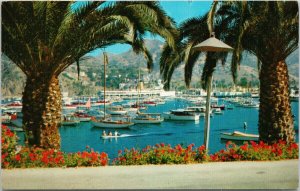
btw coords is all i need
(169, 116)
(70, 123)
(245, 137)
(84, 119)
(112, 124)
(147, 121)
(116, 112)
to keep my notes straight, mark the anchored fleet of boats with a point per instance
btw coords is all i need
(117, 112)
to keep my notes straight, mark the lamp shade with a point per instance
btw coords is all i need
(212, 45)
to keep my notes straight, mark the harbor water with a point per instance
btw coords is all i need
(76, 138)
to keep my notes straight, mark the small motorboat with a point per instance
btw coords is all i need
(217, 111)
(239, 136)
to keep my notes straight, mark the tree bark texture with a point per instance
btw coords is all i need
(275, 115)
(42, 111)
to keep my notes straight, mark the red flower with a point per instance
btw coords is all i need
(103, 162)
(4, 156)
(18, 157)
(294, 146)
(202, 148)
(162, 144)
(235, 156)
(103, 155)
(214, 157)
(32, 156)
(244, 147)
(120, 152)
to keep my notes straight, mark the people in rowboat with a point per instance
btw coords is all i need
(116, 133)
(103, 133)
(110, 133)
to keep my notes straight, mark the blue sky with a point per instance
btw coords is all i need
(178, 10)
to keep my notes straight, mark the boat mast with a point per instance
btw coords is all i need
(105, 62)
(139, 89)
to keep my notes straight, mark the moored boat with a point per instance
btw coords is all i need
(109, 123)
(217, 111)
(14, 105)
(239, 136)
(82, 116)
(69, 119)
(116, 110)
(5, 119)
(148, 118)
(150, 103)
(182, 115)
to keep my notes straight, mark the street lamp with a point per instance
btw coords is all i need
(212, 44)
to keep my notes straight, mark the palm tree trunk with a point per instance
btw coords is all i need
(42, 111)
(275, 115)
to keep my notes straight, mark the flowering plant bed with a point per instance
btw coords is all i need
(25, 157)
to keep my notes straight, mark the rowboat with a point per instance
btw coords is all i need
(239, 136)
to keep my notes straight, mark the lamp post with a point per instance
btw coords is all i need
(212, 44)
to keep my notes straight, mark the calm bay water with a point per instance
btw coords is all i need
(169, 132)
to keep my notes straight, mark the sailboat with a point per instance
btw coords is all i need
(146, 118)
(107, 121)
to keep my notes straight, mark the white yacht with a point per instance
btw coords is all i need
(116, 110)
(182, 115)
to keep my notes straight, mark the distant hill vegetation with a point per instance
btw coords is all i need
(124, 68)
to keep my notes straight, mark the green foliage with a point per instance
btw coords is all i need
(243, 82)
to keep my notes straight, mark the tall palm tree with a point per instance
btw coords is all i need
(268, 30)
(43, 38)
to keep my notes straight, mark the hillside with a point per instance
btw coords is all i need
(124, 68)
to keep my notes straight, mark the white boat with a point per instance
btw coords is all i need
(109, 123)
(199, 110)
(14, 105)
(101, 103)
(217, 111)
(182, 115)
(116, 110)
(148, 118)
(69, 107)
(82, 116)
(5, 119)
(69, 119)
(239, 136)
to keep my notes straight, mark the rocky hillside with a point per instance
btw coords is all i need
(124, 67)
